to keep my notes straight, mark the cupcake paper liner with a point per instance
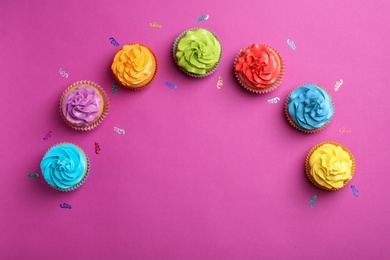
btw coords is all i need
(247, 85)
(81, 182)
(106, 107)
(291, 120)
(194, 75)
(150, 81)
(307, 167)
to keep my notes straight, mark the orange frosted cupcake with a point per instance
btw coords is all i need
(259, 68)
(134, 66)
(84, 105)
(330, 166)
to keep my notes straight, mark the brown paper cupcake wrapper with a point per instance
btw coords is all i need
(249, 86)
(81, 182)
(150, 81)
(106, 107)
(291, 120)
(194, 75)
(307, 166)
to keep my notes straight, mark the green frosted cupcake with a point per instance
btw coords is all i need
(197, 52)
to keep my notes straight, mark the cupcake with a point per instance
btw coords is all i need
(330, 166)
(134, 66)
(309, 108)
(259, 68)
(65, 167)
(84, 105)
(197, 52)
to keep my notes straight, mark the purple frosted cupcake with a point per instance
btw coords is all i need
(84, 105)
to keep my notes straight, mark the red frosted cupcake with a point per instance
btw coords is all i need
(259, 68)
(84, 105)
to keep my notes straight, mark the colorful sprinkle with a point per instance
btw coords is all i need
(203, 18)
(355, 191)
(344, 130)
(220, 82)
(47, 136)
(33, 175)
(338, 84)
(114, 89)
(113, 42)
(292, 44)
(65, 206)
(273, 100)
(170, 85)
(119, 130)
(156, 25)
(313, 201)
(63, 73)
(97, 148)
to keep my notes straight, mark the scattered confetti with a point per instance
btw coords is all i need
(292, 44)
(220, 82)
(65, 206)
(113, 42)
(114, 89)
(119, 130)
(273, 100)
(203, 18)
(170, 85)
(355, 191)
(156, 25)
(338, 84)
(344, 130)
(47, 136)
(63, 73)
(313, 201)
(97, 148)
(33, 175)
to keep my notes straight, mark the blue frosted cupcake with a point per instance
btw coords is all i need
(309, 108)
(65, 167)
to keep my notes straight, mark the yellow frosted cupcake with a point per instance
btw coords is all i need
(134, 66)
(330, 166)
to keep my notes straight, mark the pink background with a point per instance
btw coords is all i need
(201, 172)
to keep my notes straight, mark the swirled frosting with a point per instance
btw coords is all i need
(198, 51)
(259, 64)
(310, 107)
(134, 65)
(64, 165)
(331, 166)
(82, 105)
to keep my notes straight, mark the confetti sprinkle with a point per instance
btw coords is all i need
(65, 206)
(273, 100)
(97, 148)
(313, 201)
(203, 18)
(156, 25)
(33, 175)
(292, 44)
(63, 73)
(344, 130)
(113, 42)
(170, 85)
(119, 130)
(338, 85)
(220, 82)
(114, 89)
(47, 136)
(355, 191)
